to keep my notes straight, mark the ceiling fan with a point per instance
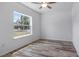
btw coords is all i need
(44, 4)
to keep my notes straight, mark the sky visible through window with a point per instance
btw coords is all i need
(16, 16)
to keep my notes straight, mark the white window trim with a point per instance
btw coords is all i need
(21, 36)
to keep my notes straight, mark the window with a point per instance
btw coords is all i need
(22, 24)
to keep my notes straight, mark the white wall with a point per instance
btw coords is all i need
(75, 28)
(7, 43)
(57, 24)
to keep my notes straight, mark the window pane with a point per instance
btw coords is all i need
(22, 24)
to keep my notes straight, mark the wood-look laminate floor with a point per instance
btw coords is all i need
(47, 48)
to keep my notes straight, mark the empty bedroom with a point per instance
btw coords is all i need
(39, 29)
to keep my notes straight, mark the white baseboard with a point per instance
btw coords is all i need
(53, 38)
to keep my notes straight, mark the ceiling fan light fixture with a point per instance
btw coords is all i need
(44, 5)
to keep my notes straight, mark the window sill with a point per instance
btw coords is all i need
(21, 36)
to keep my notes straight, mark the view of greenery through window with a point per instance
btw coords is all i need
(22, 24)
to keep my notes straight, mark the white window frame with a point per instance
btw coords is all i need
(21, 36)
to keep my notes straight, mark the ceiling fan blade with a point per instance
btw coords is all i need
(49, 7)
(40, 7)
(50, 2)
(37, 2)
